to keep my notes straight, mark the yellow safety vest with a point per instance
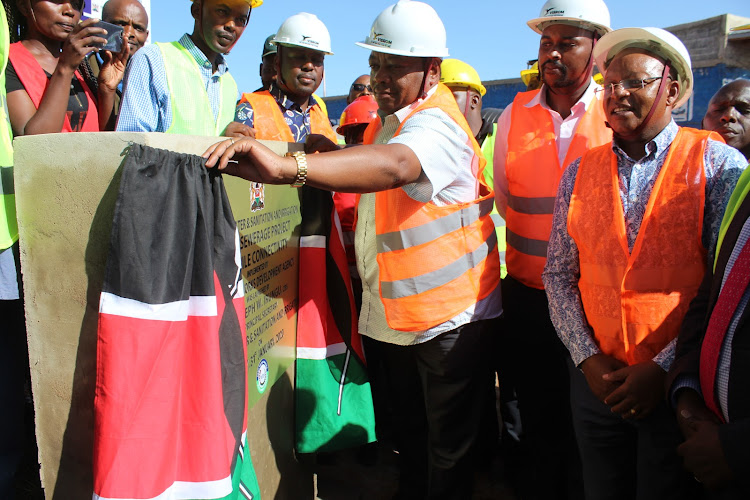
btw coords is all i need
(8, 224)
(191, 109)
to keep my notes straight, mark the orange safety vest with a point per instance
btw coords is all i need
(35, 82)
(434, 262)
(533, 171)
(635, 302)
(269, 122)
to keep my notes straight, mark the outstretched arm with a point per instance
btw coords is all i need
(354, 170)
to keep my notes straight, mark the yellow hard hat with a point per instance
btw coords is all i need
(455, 72)
(253, 3)
(528, 74)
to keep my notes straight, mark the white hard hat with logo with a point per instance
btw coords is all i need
(592, 15)
(657, 41)
(304, 30)
(408, 28)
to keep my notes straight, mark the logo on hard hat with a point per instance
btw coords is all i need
(377, 39)
(552, 12)
(309, 41)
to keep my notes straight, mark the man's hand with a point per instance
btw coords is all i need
(317, 143)
(703, 454)
(240, 130)
(251, 160)
(690, 408)
(641, 389)
(594, 368)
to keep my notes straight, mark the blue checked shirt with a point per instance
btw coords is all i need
(298, 120)
(146, 105)
(723, 167)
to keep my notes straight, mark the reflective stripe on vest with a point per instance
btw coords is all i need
(35, 82)
(269, 123)
(635, 301)
(434, 262)
(533, 171)
(191, 108)
(8, 224)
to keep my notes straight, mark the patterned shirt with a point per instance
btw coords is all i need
(298, 120)
(723, 166)
(146, 105)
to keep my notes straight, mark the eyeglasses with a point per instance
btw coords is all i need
(359, 87)
(627, 85)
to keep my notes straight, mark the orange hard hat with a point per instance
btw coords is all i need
(362, 110)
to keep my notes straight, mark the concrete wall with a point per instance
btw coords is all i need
(66, 188)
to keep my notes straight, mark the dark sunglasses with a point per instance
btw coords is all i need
(359, 87)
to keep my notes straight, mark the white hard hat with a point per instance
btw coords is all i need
(654, 40)
(304, 30)
(592, 15)
(408, 28)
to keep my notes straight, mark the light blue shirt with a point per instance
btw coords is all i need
(723, 166)
(146, 104)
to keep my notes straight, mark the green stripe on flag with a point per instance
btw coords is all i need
(322, 424)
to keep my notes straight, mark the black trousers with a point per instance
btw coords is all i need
(437, 392)
(628, 459)
(534, 362)
(13, 371)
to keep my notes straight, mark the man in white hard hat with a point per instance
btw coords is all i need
(287, 111)
(635, 226)
(538, 135)
(425, 244)
(164, 81)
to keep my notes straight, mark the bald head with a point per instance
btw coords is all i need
(360, 87)
(133, 18)
(729, 114)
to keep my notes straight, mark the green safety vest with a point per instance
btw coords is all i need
(8, 224)
(738, 196)
(191, 109)
(488, 150)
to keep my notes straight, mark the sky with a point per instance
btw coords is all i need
(492, 36)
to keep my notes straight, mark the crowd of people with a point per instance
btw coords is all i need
(579, 248)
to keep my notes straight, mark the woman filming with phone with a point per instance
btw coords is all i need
(50, 87)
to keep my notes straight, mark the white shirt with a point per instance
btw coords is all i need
(445, 155)
(565, 129)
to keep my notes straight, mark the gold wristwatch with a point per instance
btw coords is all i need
(301, 178)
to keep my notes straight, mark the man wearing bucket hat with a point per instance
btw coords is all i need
(184, 87)
(425, 244)
(636, 223)
(538, 135)
(287, 111)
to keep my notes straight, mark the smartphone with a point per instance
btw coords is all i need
(113, 36)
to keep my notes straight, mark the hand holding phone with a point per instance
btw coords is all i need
(113, 36)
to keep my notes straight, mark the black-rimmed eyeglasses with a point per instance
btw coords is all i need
(631, 85)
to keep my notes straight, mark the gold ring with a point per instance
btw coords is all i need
(632, 411)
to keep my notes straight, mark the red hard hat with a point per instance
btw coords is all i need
(362, 110)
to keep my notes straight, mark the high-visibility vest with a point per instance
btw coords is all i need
(269, 122)
(434, 262)
(635, 301)
(8, 225)
(488, 151)
(35, 82)
(533, 171)
(191, 108)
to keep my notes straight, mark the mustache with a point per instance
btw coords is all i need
(556, 65)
